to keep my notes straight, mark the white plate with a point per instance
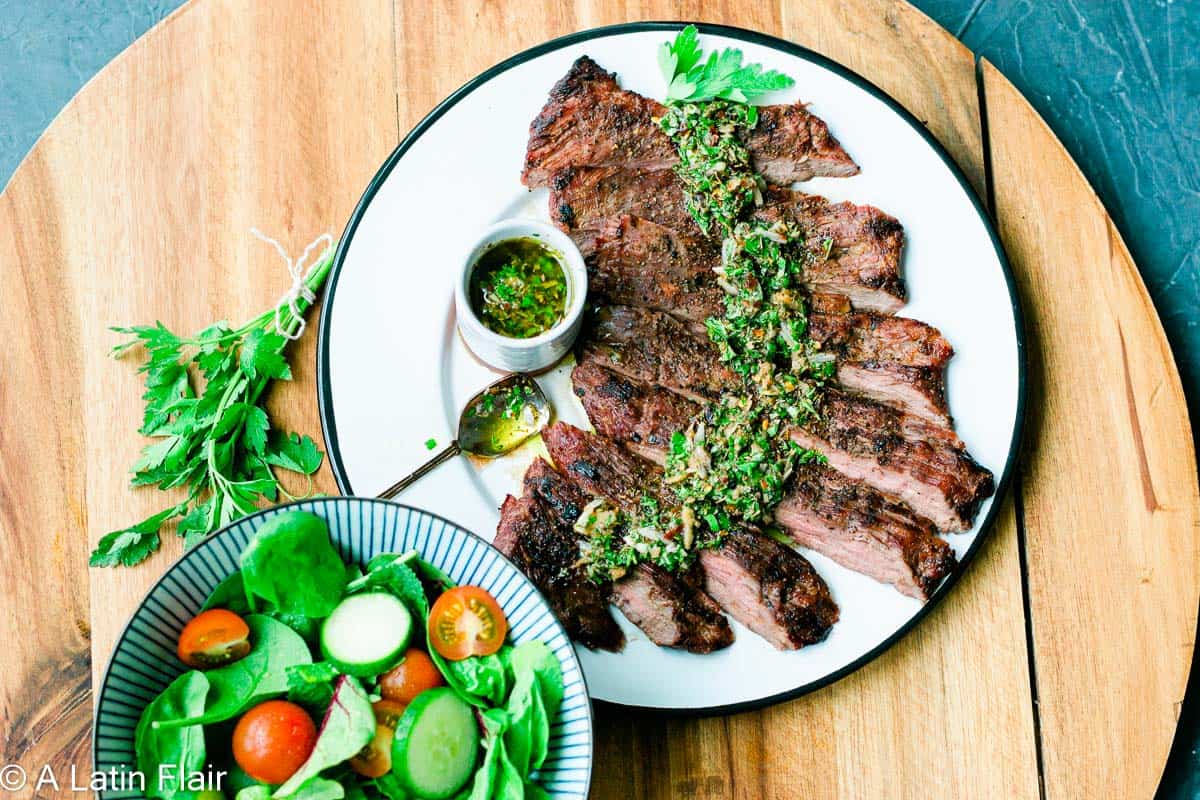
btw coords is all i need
(393, 373)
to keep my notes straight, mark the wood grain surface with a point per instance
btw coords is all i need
(1055, 667)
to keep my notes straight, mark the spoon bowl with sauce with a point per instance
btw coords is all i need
(493, 423)
(519, 300)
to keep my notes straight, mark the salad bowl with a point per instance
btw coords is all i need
(144, 661)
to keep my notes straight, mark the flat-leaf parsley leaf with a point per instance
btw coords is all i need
(692, 79)
(211, 435)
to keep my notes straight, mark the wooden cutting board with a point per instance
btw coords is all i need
(1057, 665)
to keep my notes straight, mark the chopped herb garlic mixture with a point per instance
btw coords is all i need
(735, 459)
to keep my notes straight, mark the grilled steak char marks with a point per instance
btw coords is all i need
(843, 519)
(641, 417)
(547, 551)
(589, 120)
(635, 262)
(866, 245)
(864, 530)
(585, 198)
(655, 347)
(865, 252)
(766, 586)
(919, 462)
(671, 609)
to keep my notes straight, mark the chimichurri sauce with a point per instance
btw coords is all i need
(518, 288)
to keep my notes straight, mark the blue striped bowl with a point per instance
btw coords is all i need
(144, 661)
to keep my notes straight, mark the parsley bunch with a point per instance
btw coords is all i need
(215, 441)
(721, 76)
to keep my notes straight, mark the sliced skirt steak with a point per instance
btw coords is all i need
(672, 610)
(823, 510)
(546, 550)
(589, 120)
(768, 587)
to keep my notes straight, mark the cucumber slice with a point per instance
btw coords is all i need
(436, 744)
(366, 634)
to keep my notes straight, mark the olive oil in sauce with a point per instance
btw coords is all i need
(503, 416)
(519, 288)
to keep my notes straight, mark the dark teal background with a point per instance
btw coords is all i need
(1118, 81)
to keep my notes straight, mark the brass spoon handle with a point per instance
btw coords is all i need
(420, 472)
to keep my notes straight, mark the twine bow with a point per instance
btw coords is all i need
(299, 290)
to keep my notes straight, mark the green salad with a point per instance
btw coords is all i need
(312, 679)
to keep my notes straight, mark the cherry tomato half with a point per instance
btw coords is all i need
(466, 621)
(213, 639)
(272, 740)
(375, 759)
(410, 677)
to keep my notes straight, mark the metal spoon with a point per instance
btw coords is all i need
(494, 422)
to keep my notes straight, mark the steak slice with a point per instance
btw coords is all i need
(892, 360)
(589, 120)
(586, 198)
(865, 247)
(546, 550)
(875, 337)
(636, 262)
(896, 361)
(768, 587)
(864, 530)
(656, 348)
(902, 455)
(920, 391)
(672, 610)
(639, 416)
(823, 510)
(856, 251)
(922, 464)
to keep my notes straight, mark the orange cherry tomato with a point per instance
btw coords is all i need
(375, 760)
(273, 739)
(213, 639)
(466, 621)
(410, 677)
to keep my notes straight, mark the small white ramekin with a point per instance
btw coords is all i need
(522, 355)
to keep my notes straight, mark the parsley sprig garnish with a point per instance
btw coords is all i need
(211, 434)
(692, 79)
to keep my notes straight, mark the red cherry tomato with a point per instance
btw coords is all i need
(272, 740)
(213, 639)
(410, 677)
(466, 621)
(375, 760)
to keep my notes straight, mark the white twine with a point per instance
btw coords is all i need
(299, 288)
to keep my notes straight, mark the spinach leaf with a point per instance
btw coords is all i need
(348, 726)
(311, 685)
(318, 788)
(291, 566)
(536, 695)
(434, 574)
(183, 748)
(387, 787)
(255, 792)
(230, 594)
(307, 627)
(261, 674)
